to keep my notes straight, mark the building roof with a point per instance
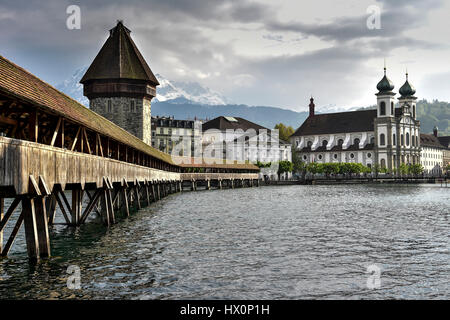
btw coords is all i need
(341, 122)
(445, 141)
(119, 58)
(407, 90)
(429, 140)
(22, 85)
(223, 123)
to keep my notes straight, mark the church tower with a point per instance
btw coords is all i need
(120, 85)
(385, 125)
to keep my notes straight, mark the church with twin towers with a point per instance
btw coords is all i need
(387, 136)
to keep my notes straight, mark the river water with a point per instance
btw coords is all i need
(274, 242)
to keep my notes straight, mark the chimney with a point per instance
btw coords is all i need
(435, 131)
(311, 107)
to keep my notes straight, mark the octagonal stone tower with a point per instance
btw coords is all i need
(120, 85)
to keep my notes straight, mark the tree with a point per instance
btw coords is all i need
(284, 132)
(415, 169)
(403, 169)
(284, 166)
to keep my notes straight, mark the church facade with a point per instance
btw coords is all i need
(387, 136)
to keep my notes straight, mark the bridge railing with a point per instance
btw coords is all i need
(218, 176)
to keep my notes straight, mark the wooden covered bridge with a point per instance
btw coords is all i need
(51, 145)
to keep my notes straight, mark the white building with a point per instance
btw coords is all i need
(235, 138)
(387, 136)
(432, 154)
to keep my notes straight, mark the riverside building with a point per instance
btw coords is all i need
(387, 136)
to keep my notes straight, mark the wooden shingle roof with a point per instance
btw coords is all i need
(119, 58)
(21, 84)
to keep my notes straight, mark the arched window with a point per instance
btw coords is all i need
(340, 142)
(356, 142)
(309, 144)
(413, 141)
(414, 111)
(394, 140)
(392, 108)
(417, 141)
(407, 138)
(382, 108)
(383, 163)
(324, 143)
(372, 140)
(382, 139)
(402, 140)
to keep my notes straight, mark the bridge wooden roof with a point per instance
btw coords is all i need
(19, 83)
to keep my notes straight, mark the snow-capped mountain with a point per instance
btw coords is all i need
(73, 88)
(168, 91)
(187, 92)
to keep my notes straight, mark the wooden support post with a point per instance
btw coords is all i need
(13, 235)
(192, 185)
(153, 192)
(51, 208)
(147, 193)
(125, 200)
(159, 190)
(29, 217)
(109, 203)
(42, 227)
(77, 198)
(208, 184)
(138, 200)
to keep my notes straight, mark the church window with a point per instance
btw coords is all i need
(372, 140)
(309, 144)
(352, 155)
(382, 108)
(417, 141)
(356, 142)
(335, 156)
(407, 138)
(392, 108)
(369, 165)
(320, 157)
(413, 141)
(369, 155)
(305, 157)
(109, 106)
(382, 139)
(394, 140)
(340, 142)
(383, 163)
(402, 140)
(324, 143)
(414, 111)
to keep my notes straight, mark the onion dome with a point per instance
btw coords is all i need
(385, 85)
(407, 90)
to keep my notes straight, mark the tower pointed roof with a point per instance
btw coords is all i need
(119, 58)
(407, 90)
(385, 85)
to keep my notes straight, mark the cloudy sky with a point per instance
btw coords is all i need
(256, 52)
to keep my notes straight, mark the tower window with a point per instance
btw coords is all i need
(109, 106)
(382, 139)
(402, 140)
(407, 138)
(392, 108)
(414, 111)
(394, 142)
(382, 108)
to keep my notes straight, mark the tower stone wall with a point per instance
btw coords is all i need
(131, 114)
